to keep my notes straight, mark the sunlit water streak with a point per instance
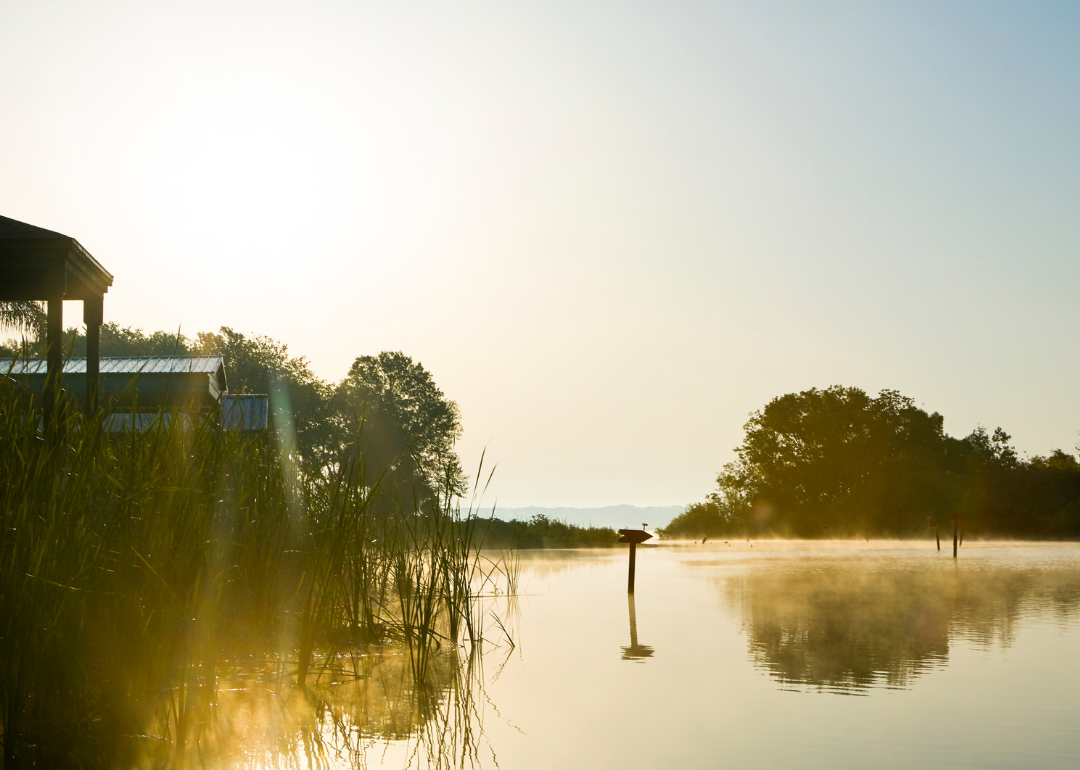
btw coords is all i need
(731, 654)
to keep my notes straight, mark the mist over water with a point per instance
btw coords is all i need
(744, 654)
(846, 625)
(729, 654)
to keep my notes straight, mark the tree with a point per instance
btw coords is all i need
(259, 364)
(406, 426)
(836, 462)
(126, 341)
(26, 316)
(22, 317)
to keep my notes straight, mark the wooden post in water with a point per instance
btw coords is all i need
(956, 516)
(633, 537)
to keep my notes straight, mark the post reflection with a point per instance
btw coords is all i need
(635, 652)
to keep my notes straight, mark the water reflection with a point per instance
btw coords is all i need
(636, 652)
(368, 711)
(849, 626)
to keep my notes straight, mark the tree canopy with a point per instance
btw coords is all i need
(22, 316)
(259, 364)
(837, 462)
(388, 407)
(408, 426)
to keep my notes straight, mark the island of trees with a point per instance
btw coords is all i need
(838, 463)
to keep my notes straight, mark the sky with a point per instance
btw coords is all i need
(611, 231)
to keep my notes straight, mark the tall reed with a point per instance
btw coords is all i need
(135, 564)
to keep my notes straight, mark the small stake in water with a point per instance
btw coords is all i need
(932, 522)
(955, 516)
(633, 537)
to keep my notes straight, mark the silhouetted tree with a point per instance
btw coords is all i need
(409, 426)
(126, 341)
(836, 462)
(27, 319)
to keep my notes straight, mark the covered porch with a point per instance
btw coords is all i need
(41, 265)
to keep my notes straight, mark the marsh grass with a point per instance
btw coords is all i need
(134, 564)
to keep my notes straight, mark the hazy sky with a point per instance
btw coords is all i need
(610, 230)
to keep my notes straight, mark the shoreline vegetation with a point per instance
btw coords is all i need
(409, 426)
(836, 463)
(539, 531)
(143, 573)
(141, 570)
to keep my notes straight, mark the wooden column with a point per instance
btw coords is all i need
(54, 352)
(93, 311)
(633, 537)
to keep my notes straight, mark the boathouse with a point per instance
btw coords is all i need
(42, 265)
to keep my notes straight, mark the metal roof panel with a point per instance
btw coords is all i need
(121, 365)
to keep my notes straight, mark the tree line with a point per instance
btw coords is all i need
(388, 406)
(839, 463)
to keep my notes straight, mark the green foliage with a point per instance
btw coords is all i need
(21, 316)
(838, 463)
(125, 341)
(259, 364)
(409, 426)
(116, 340)
(705, 519)
(543, 532)
(28, 320)
(133, 565)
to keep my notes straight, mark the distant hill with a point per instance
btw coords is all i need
(614, 516)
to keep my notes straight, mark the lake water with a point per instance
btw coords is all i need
(769, 654)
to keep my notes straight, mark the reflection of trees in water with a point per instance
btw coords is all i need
(848, 627)
(368, 704)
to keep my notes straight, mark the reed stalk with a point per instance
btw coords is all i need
(133, 563)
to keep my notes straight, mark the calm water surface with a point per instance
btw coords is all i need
(777, 655)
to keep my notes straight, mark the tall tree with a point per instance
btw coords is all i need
(406, 426)
(821, 460)
(838, 462)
